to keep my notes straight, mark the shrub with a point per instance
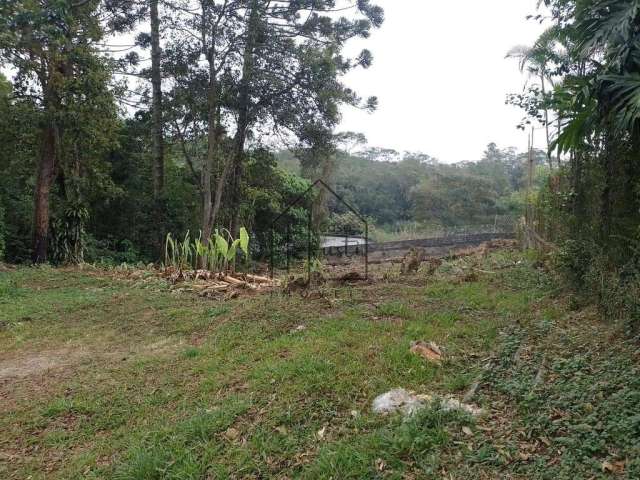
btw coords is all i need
(110, 253)
(592, 273)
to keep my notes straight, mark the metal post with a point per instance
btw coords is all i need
(346, 245)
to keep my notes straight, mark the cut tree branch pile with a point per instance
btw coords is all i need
(207, 283)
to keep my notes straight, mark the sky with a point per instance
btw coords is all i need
(441, 77)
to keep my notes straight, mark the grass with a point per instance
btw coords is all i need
(109, 378)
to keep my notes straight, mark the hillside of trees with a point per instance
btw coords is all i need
(111, 146)
(106, 147)
(413, 190)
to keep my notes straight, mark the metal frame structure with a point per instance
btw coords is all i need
(318, 183)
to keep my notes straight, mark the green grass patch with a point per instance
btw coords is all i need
(121, 379)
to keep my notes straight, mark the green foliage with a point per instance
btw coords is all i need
(217, 254)
(19, 147)
(244, 241)
(346, 223)
(455, 199)
(104, 252)
(394, 189)
(591, 209)
(68, 240)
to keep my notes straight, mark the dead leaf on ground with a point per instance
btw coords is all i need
(427, 350)
(613, 467)
(232, 433)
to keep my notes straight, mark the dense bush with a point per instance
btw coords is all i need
(106, 252)
(591, 206)
(590, 270)
(346, 223)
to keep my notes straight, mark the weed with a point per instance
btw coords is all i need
(191, 352)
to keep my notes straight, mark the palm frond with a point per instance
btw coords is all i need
(623, 92)
(606, 25)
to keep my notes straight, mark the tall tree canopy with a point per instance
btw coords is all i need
(54, 48)
(227, 78)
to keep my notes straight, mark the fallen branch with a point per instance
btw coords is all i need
(257, 278)
(540, 375)
(476, 384)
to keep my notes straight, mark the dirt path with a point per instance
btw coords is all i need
(36, 363)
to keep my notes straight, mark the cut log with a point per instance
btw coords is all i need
(233, 280)
(258, 279)
(238, 283)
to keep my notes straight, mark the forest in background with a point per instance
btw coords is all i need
(100, 167)
(124, 121)
(406, 194)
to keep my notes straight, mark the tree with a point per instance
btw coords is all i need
(538, 61)
(349, 141)
(52, 46)
(198, 97)
(156, 86)
(273, 65)
(291, 68)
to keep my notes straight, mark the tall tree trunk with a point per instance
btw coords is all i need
(546, 119)
(320, 208)
(610, 182)
(559, 126)
(156, 86)
(45, 178)
(243, 118)
(217, 201)
(212, 150)
(237, 168)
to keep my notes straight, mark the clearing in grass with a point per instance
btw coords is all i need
(104, 377)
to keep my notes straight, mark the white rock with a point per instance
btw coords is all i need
(408, 403)
(395, 400)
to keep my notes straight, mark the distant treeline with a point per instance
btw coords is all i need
(393, 188)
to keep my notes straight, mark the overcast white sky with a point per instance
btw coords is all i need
(441, 76)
